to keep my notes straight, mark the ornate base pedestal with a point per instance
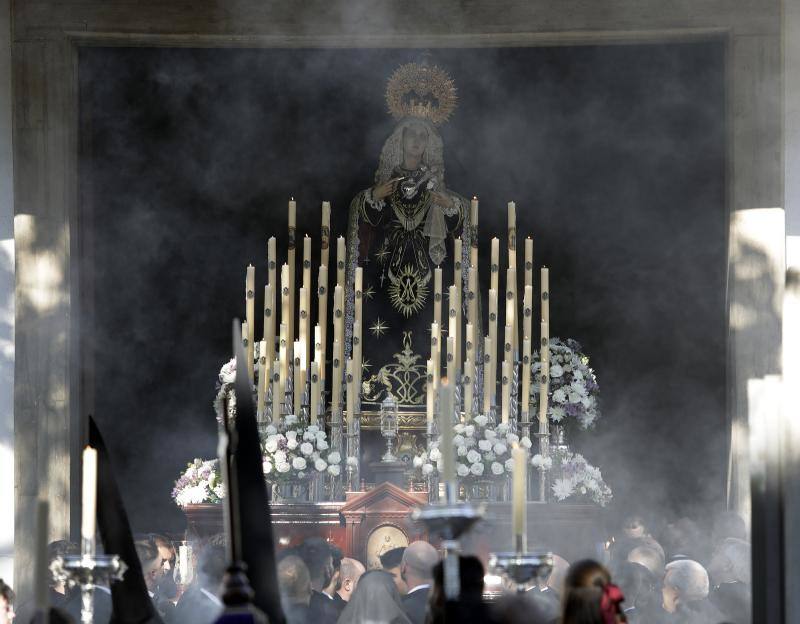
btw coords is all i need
(389, 472)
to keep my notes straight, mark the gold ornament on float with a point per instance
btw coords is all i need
(421, 91)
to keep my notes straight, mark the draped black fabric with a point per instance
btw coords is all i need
(255, 518)
(131, 603)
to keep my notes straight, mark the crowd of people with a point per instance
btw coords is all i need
(680, 576)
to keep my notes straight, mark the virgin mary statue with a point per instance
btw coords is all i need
(401, 229)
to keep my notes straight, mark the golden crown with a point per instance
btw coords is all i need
(421, 91)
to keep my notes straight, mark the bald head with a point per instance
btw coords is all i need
(648, 557)
(418, 561)
(294, 580)
(349, 573)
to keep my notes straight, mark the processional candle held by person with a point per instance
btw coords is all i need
(250, 315)
(520, 498)
(88, 500)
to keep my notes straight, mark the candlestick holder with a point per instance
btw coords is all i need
(87, 571)
(449, 520)
(433, 478)
(389, 426)
(267, 415)
(514, 407)
(544, 450)
(521, 567)
(354, 452)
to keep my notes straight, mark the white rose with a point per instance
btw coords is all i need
(458, 440)
(291, 435)
(476, 469)
(559, 396)
(307, 435)
(510, 465)
(271, 430)
(334, 457)
(501, 429)
(352, 461)
(227, 373)
(461, 451)
(484, 445)
(500, 448)
(489, 434)
(334, 470)
(283, 467)
(267, 466)
(322, 445)
(280, 457)
(469, 430)
(312, 429)
(299, 463)
(577, 375)
(556, 370)
(537, 461)
(427, 469)
(271, 444)
(462, 470)
(321, 435)
(473, 456)
(291, 444)
(480, 420)
(458, 428)
(320, 465)
(511, 438)
(526, 442)
(497, 468)
(435, 455)
(418, 461)
(306, 448)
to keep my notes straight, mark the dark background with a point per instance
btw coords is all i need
(614, 155)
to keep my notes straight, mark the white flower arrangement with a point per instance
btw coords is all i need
(481, 451)
(296, 452)
(200, 483)
(579, 479)
(573, 391)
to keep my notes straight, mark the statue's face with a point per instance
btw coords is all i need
(415, 140)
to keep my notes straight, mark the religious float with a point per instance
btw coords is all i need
(399, 380)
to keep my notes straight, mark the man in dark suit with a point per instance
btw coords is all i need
(349, 573)
(295, 587)
(200, 603)
(416, 570)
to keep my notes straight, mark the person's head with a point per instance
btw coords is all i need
(350, 572)
(730, 562)
(682, 538)
(589, 596)
(470, 576)
(634, 527)
(6, 603)
(635, 581)
(60, 548)
(375, 599)
(294, 581)
(416, 567)
(317, 555)
(211, 565)
(558, 574)
(391, 561)
(648, 557)
(150, 560)
(336, 578)
(728, 524)
(414, 140)
(685, 582)
(166, 551)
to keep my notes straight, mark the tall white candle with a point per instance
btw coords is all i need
(451, 349)
(512, 235)
(89, 499)
(435, 354)
(495, 266)
(505, 381)
(458, 282)
(263, 377)
(358, 318)
(272, 270)
(351, 397)
(269, 322)
(545, 286)
(452, 315)
(508, 346)
(472, 296)
(246, 345)
(473, 219)
(526, 375)
(304, 320)
(527, 314)
(338, 342)
(315, 392)
(299, 376)
(305, 295)
(336, 381)
(322, 312)
(341, 261)
(544, 380)
(488, 378)
(520, 497)
(495, 343)
(469, 380)
(511, 305)
(357, 355)
(283, 358)
(250, 303)
(469, 343)
(446, 430)
(277, 396)
(286, 305)
(437, 296)
(430, 392)
(529, 262)
(325, 234)
(291, 262)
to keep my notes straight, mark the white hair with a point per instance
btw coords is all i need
(688, 578)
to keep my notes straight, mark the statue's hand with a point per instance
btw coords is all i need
(383, 190)
(444, 200)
